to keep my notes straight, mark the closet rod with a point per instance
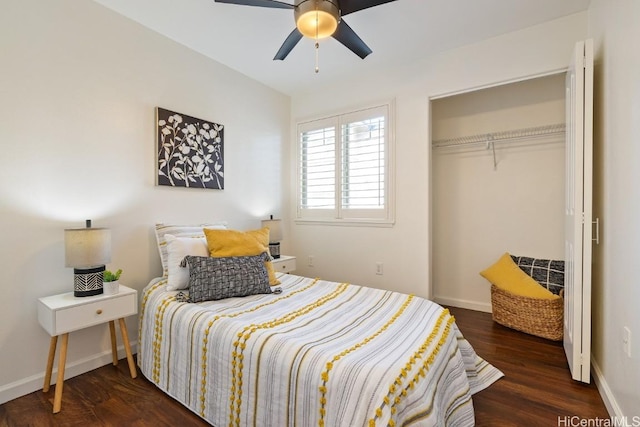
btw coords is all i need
(484, 138)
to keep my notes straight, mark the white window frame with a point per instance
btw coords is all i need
(381, 217)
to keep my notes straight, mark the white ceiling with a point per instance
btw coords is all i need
(246, 38)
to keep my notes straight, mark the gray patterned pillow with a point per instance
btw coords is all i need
(217, 278)
(548, 272)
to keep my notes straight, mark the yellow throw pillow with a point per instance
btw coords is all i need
(228, 243)
(272, 273)
(506, 275)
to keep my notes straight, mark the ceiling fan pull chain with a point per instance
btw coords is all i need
(317, 44)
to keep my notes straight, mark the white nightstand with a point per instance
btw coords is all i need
(284, 264)
(64, 313)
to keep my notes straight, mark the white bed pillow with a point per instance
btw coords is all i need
(180, 231)
(177, 249)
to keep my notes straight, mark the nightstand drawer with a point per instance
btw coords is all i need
(64, 313)
(95, 313)
(284, 264)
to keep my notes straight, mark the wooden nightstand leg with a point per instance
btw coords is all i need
(127, 347)
(52, 355)
(114, 348)
(57, 399)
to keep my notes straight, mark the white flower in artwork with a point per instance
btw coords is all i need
(206, 125)
(162, 123)
(166, 131)
(192, 129)
(200, 168)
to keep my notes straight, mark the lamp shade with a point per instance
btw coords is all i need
(87, 247)
(275, 229)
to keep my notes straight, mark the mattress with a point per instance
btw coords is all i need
(319, 353)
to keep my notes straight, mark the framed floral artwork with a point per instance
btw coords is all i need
(190, 151)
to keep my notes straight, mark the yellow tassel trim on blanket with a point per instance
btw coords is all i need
(143, 307)
(329, 367)
(157, 338)
(240, 344)
(397, 385)
(205, 340)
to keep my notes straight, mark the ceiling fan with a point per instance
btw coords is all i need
(318, 19)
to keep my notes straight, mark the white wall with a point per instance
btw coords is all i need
(350, 253)
(614, 25)
(480, 212)
(78, 88)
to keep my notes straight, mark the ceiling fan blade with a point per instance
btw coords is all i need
(345, 35)
(288, 44)
(260, 3)
(350, 6)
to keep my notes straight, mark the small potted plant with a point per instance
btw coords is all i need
(111, 282)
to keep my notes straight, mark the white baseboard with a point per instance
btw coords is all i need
(471, 305)
(605, 392)
(33, 383)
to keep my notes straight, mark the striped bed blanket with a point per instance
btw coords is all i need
(318, 354)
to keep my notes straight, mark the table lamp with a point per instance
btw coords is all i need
(87, 250)
(275, 235)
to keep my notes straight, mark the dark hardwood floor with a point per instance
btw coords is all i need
(537, 389)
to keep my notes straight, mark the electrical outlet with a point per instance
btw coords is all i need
(310, 261)
(379, 268)
(626, 341)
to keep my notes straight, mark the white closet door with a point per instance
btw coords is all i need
(578, 211)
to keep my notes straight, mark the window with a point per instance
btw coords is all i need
(344, 168)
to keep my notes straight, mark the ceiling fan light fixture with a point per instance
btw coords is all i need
(317, 19)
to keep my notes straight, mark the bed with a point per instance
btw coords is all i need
(319, 353)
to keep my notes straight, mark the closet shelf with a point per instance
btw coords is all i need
(487, 138)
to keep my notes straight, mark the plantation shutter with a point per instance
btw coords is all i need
(344, 168)
(317, 167)
(363, 163)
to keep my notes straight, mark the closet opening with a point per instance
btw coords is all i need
(497, 183)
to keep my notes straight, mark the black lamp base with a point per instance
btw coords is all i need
(274, 250)
(88, 281)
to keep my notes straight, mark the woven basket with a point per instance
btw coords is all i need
(535, 316)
